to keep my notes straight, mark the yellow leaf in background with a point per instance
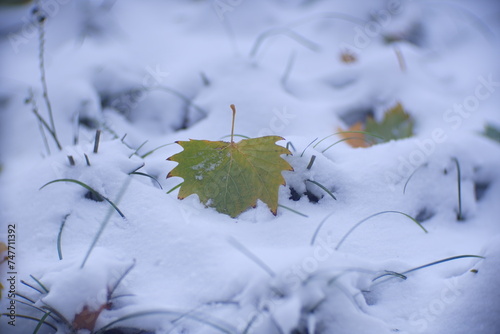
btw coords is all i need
(3, 247)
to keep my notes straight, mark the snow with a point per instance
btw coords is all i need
(153, 72)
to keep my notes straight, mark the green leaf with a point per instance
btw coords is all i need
(231, 176)
(397, 124)
(492, 132)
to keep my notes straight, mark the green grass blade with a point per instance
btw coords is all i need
(245, 251)
(120, 279)
(41, 322)
(147, 175)
(316, 232)
(404, 273)
(31, 286)
(137, 149)
(177, 186)
(106, 220)
(292, 210)
(411, 175)
(39, 283)
(31, 318)
(304, 151)
(154, 150)
(442, 261)
(89, 189)
(24, 297)
(59, 237)
(322, 187)
(374, 215)
(345, 139)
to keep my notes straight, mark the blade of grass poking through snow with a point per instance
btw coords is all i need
(374, 215)
(155, 149)
(28, 304)
(236, 244)
(120, 279)
(41, 322)
(201, 318)
(315, 234)
(95, 192)
(459, 184)
(411, 175)
(59, 237)
(36, 308)
(442, 261)
(404, 273)
(292, 210)
(290, 144)
(30, 318)
(31, 286)
(106, 220)
(304, 151)
(322, 187)
(347, 132)
(345, 139)
(24, 297)
(177, 186)
(137, 149)
(147, 175)
(39, 283)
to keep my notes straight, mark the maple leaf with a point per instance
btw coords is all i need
(396, 124)
(231, 176)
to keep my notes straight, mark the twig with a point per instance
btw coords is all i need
(43, 78)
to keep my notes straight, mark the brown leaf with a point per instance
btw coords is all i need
(354, 139)
(86, 319)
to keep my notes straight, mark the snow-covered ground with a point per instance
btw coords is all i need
(148, 73)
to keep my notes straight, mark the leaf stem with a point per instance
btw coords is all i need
(233, 108)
